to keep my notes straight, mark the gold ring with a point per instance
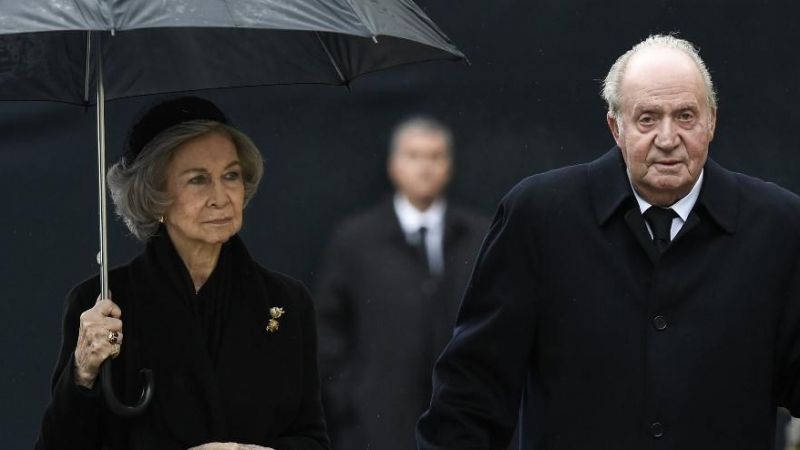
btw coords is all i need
(113, 337)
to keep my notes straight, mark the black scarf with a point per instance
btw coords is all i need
(209, 306)
(183, 336)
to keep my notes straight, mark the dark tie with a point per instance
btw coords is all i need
(660, 221)
(422, 246)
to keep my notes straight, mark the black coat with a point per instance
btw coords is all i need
(261, 388)
(383, 321)
(606, 346)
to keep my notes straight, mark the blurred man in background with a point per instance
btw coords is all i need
(388, 294)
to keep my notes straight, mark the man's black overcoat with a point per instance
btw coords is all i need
(384, 320)
(606, 345)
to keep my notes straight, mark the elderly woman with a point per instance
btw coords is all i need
(231, 344)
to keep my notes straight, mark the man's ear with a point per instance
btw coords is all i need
(712, 123)
(613, 125)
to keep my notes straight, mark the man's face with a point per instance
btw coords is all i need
(419, 167)
(665, 124)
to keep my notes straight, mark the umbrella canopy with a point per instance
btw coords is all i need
(47, 47)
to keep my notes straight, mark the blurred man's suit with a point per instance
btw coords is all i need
(384, 318)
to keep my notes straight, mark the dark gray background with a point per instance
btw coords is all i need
(528, 103)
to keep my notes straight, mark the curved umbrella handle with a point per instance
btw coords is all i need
(111, 399)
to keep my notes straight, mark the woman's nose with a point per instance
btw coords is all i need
(218, 196)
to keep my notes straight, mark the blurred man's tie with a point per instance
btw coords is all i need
(422, 247)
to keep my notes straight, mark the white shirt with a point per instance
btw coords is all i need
(411, 220)
(682, 207)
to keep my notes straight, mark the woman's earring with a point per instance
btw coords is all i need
(160, 219)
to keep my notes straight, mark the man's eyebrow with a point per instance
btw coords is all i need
(648, 107)
(685, 106)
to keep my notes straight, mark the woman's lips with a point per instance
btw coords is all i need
(224, 221)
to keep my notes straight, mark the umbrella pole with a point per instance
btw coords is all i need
(102, 257)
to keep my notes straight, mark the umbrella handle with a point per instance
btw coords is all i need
(111, 399)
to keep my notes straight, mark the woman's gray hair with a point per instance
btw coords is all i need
(611, 84)
(138, 188)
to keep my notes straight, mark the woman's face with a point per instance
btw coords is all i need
(204, 183)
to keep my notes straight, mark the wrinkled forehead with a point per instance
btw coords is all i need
(661, 70)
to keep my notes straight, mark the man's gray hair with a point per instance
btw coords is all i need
(426, 124)
(614, 78)
(138, 188)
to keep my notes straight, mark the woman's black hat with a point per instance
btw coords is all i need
(165, 115)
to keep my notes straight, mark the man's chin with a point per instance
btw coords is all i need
(665, 191)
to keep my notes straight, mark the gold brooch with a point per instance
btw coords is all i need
(275, 313)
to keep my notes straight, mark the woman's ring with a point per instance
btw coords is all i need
(113, 337)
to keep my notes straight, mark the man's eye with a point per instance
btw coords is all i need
(686, 116)
(646, 120)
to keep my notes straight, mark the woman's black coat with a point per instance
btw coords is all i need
(262, 387)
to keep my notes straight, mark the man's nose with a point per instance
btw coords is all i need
(667, 137)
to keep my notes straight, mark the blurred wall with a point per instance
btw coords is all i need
(527, 103)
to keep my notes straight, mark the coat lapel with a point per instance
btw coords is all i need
(637, 226)
(453, 229)
(393, 233)
(252, 377)
(610, 191)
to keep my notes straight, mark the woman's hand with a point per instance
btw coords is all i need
(99, 336)
(229, 446)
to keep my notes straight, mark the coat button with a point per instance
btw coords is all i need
(656, 430)
(659, 323)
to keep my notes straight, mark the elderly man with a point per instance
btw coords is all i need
(388, 293)
(649, 299)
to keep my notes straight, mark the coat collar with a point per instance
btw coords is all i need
(720, 196)
(610, 188)
(454, 222)
(608, 184)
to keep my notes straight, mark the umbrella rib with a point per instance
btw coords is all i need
(363, 22)
(230, 14)
(87, 68)
(330, 57)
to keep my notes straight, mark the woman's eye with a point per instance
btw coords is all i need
(199, 179)
(232, 176)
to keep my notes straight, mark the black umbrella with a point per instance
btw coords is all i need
(90, 51)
